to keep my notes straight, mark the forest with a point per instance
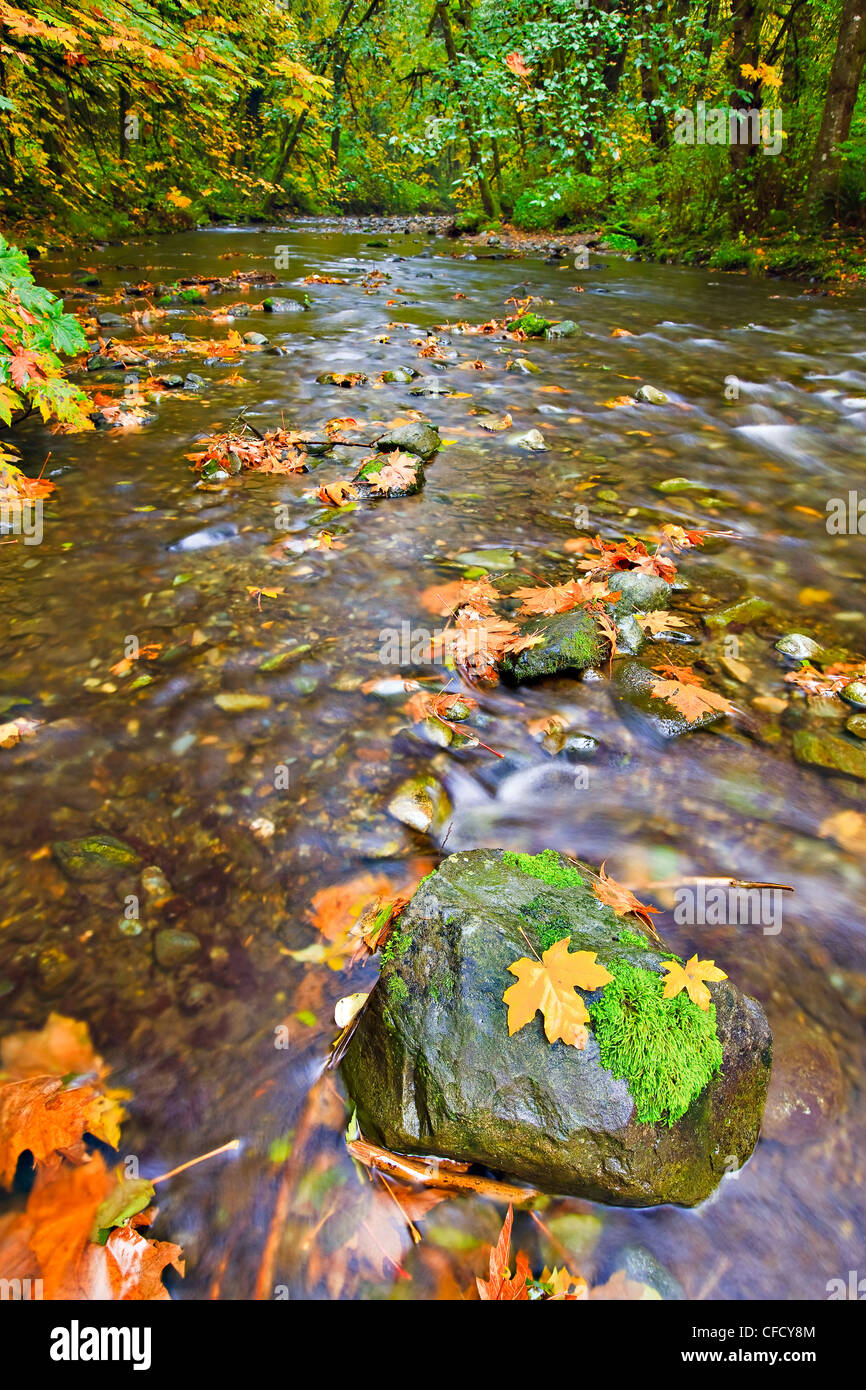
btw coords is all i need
(131, 115)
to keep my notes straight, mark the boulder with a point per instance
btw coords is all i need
(661, 1102)
(416, 438)
(571, 642)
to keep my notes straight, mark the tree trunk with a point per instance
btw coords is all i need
(839, 106)
(484, 189)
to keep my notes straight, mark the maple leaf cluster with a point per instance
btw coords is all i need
(274, 452)
(552, 1285)
(80, 1231)
(683, 688)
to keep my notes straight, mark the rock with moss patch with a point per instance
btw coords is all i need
(651, 395)
(654, 1109)
(819, 749)
(533, 325)
(95, 857)
(567, 328)
(370, 481)
(569, 642)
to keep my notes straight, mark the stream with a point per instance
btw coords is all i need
(765, 424)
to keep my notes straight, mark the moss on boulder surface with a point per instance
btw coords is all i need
(653, 1110)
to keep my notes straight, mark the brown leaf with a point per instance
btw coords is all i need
(621, 899)
(500, 1288)
(40, 1115)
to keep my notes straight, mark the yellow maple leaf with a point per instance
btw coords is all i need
(548, 985)
(691, 978)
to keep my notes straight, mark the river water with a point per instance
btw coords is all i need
(767, 387)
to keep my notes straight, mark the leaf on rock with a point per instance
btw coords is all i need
(621, 899)
(683, 690)
(660, 621)
(549, 985)
(690, 978)
(560, 598)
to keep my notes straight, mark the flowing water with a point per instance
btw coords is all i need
(766, 423)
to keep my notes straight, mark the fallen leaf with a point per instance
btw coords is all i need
(621, 899)
(500, 1288)
(548, 985)
(690, 978)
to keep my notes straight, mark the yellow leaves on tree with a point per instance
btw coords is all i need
(690, 977)
(549, 985)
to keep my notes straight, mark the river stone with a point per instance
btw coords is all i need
(855, 694)
(173, 948)
(367, 490)
(422, 803)
(634, 684)
(571, 642)
(431, 1068)
(566, 329)
(256, 339)
(798, 647)
(856, 725)
(745, 610)
(819, 749)
(651, 395)
(94, 858)
(807, 1086)
(281, 306)
(416, 438)
(400, 375)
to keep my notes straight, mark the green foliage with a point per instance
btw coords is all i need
(558, 202)
(34, 333)
(666, 1050)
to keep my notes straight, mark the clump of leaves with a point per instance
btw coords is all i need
(683, 689)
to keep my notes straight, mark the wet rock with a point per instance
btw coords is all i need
(634, 683)
(493, 559)
(366, 484)
(433, 388)
(533, 325)
(532, 440)
(798, 647)
(273, 305)
(570, 642)
(638, 593)
(566, 329)
(745, 610)
(94, 858)
(855, 694)
(54, 970)
(820, 749)
(193, 382)
(432, 1070)
(416, 438)
(256, 339)
(571, 744)
(155, 886)
(650, 395)
(807, 1086)
(421, 803)
(209, 535)
(399, 375)
(345, 379)
(522, 364)
(856, 725)
(173, 947)
(640, 1265)
(239, 701)
(106, 320)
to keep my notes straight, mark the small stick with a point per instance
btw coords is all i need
(224, 1148)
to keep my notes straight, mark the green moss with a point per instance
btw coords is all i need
(631, 938)
(666, 1050)
(533, 325)
(581, 647)
(547, 866)
(397, 944)
(398, 990)
(549, 926)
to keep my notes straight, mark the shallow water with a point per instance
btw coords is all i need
(766, 421)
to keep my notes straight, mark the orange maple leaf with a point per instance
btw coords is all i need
(621, 899)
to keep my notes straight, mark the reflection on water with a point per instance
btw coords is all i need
(768, 403)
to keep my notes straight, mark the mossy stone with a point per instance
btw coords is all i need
(95, 857)
(570, 642)
(819, 749)
(431, 1068)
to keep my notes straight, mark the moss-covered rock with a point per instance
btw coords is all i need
(416, 438)
(570, 642)
(533, 325)
(819, 749)
(366, 484)
(95, 857)
(655, 1111)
